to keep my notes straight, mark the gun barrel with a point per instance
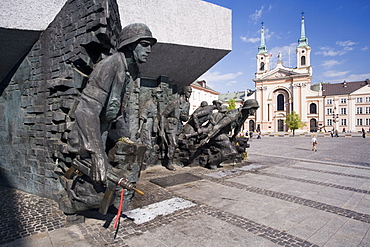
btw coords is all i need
(139, 191)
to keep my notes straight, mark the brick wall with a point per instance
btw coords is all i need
(38, 101)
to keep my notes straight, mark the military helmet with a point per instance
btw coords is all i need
(133, 32)
(203, 103)
(223, 109)
(215, 102)
(250, 103)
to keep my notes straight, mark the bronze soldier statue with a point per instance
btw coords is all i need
(105, 100)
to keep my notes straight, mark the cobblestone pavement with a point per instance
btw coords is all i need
(24, 214)
(284, 195)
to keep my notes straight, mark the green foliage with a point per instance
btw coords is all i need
(293, 121)
(232, 104)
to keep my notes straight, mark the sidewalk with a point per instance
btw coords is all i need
(284, 195)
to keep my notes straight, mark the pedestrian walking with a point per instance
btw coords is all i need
(363, 133)
(314, 143)
(259, 135)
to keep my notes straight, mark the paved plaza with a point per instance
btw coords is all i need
(283, 195)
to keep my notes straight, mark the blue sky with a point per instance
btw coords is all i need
(338, 32)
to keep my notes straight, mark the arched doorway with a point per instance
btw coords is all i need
(281, 103)
(280, 125)
(251, 125)
(313, 125)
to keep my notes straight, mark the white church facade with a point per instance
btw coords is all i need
(324, 107)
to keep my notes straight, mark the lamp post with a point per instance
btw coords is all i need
(335, 121)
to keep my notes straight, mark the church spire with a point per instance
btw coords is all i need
(303, 40)
(262, 48)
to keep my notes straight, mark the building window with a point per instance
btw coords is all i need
(343, 122)
(343, 111)
(367, 121)
(359, 121)
(313, 108)
(329, 122)
(329, 111)
(280, 102)
(262, 66)
(359, 110)
(367, 99)
(303, 60)
(359, 100)
(329, 101)
(367, 110)
(343, 101)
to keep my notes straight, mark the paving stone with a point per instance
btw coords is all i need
(175, 179)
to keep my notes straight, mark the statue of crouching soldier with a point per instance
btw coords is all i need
(218, 146)
(91, 181)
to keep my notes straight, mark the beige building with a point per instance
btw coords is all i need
(322, 107)
(201, 92)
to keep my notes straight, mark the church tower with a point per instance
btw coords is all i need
(263, 58)
(303, 49)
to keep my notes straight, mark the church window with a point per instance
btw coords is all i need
(313, 108)
(262, 66)
(303, 60)
(280, 102)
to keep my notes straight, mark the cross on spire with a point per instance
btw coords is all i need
(303, 40)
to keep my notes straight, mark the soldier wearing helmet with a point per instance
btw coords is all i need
(231, 120)
(172, 118)
(148, 126)
(107, 96)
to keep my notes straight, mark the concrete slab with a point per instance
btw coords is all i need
(224, 173)
(175, 179)
(350, 234)
(202, 230)
(166, 207)
(69, 236)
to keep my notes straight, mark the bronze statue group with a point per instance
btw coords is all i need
(164, 132)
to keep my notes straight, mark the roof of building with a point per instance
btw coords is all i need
(343, 88)
(237, 96)
(203, 85)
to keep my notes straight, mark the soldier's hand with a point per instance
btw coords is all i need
(137, 135)
(99, 168)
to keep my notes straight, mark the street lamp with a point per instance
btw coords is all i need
(335, 121)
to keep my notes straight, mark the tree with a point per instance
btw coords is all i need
(232, 104)
(293, 121)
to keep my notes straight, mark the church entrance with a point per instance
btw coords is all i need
(313, 125)
(280, 125)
